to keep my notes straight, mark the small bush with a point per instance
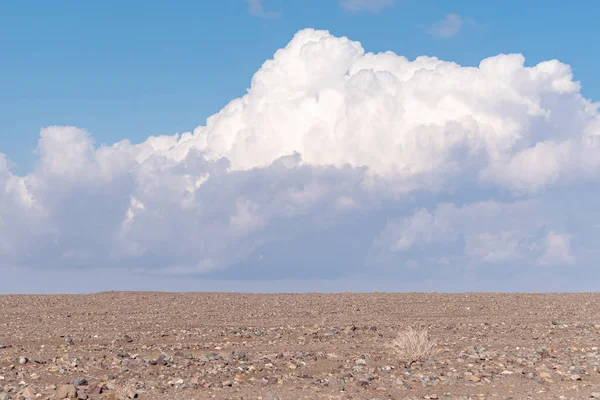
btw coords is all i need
(413, 345)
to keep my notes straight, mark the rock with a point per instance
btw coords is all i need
(23, 360)
(544, 375)
(575, 377)
(82, 395)
(4, 346)
(65, 392)
(474, 378)
(94, 389)
(5, 396)
(349, 329)
(28, 392)
(69, 341)
(271, 380)
(127, 338)
(239, 355)
(127, 393)
(80, 381)
(595, 395)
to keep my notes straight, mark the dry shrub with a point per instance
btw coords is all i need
(414, 345)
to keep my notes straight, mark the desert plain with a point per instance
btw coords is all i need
(120, 345)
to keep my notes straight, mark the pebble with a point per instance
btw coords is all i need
(470, 358)
(80, 381)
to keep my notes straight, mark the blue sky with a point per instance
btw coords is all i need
(134, 69)
(248, 145)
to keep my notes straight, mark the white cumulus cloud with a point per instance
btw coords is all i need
(333, 158)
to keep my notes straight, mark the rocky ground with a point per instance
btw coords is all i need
(296, 346)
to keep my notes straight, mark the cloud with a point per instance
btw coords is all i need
(336, 164)
(557, 250)
(256, 9)
(479, 233)
(448, 27)
(372, 6)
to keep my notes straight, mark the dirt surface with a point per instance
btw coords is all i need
(314, 346)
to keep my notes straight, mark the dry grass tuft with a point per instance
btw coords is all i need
(413, 345)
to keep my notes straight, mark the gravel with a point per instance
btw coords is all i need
(335, 346)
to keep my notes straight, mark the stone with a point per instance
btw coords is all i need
(5, 396)
(575, 377)
(94, 389)
(127, 393)
(82, 395)
(349, 329)
(23, 360)
(474, 378)
(80, 381)
(65, 392)
(595, 395)
(239, 355)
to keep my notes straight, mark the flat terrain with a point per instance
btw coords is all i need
(291, 346)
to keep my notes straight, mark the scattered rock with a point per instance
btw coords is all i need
(345, 353)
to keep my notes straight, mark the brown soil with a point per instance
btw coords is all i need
(312, 346)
